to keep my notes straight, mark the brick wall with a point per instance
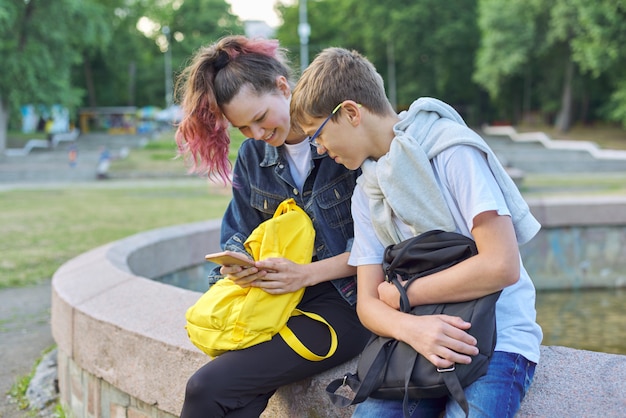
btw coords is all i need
(87, 396)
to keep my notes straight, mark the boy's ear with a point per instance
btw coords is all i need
(352, 110)
(283, 85)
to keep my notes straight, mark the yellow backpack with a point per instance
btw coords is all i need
(228, 317)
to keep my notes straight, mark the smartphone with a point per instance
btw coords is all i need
(230, 258)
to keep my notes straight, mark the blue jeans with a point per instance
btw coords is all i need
(497, 394)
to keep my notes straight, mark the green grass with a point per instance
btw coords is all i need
(571, 184)
(160, 156)
(18, 139)
(605, 135)
(18, 389)
(42, 229)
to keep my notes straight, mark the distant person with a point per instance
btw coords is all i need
(72, 155)
(48, 130)
(246, 83)
(104, 161)
(41, 124)
(424, 169)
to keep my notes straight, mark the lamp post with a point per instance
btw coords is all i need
(168, 68)
(304, 30)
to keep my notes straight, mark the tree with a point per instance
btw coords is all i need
(39, 43)
(597, 33)
(419, 47)
(192, 25)
(563, 57)
(197, 23)
(130, 70)
(509, 42)
(90, 52)
(107, 71)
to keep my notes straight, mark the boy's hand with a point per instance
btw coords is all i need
(388, 293)
(442, 339)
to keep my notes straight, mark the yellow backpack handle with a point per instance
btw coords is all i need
(297, 345)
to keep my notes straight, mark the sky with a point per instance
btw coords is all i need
(255, 10)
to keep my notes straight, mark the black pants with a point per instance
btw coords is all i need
(240, 383)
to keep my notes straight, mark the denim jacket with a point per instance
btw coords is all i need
(262, 180)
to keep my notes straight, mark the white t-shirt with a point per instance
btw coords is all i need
(469, 189)
(299, 157)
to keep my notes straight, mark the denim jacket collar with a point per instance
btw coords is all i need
(262, 179)
(273, 155)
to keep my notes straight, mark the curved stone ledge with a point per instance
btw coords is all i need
(123, 349)
(125, 329)
(559, 144)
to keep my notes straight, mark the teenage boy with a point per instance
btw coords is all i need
(425, 169)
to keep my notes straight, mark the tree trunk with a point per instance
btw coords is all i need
(4, 121)
(564, 119)
(91, 90)
(132, 78)
(527, 100)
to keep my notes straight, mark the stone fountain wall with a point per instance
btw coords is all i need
(124, 352)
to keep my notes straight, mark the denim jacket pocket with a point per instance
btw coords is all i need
(265, 202)
(334, 203)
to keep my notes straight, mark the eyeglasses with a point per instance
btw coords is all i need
(317, 133)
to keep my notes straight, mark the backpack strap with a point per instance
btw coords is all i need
(350, 379)
(405, 305)
(450, 377)
(294, 342)
(372, 380)
(454, 387)
(368, 384)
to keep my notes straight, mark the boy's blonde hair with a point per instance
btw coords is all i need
(336, 75)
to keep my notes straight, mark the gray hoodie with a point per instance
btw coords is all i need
(403, 181)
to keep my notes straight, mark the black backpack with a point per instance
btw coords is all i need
(391, 369)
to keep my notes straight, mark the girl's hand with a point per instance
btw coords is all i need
(242, 276)
(281, 275)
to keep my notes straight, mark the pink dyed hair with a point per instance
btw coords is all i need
(216, 74)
